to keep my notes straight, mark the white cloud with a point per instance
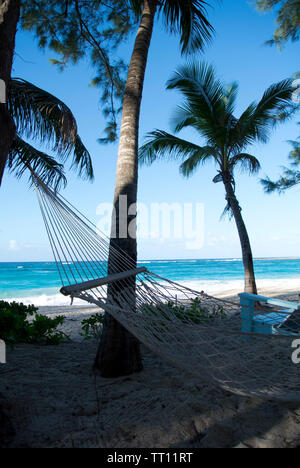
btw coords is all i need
(13, 245)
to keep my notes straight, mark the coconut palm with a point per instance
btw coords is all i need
(118, 352)
(208, 108)
(42, 117)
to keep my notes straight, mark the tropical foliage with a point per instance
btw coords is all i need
(290, 176)
(288, 20)
(208, 108)
(43, 118)
(92, 326)
(22, 324)
(92, 31)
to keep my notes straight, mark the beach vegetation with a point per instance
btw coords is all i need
(92, 326)
(20, 323)
(192, 312)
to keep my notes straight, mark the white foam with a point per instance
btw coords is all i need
(211, 287)
(46, 300)
(225, 287)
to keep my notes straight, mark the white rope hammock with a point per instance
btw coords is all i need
(195, 332)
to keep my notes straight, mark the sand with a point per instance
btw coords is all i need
(50, 398)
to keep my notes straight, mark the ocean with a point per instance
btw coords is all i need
(38, 282)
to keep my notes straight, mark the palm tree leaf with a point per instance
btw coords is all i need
(82, 161)
(189, 19)
(40, 115)
(200, 156)
(276, 96)
(23, 156)
(227, 212)
(247, 162)
(163, 145)
(137, 7)
(43, 117)
(257, 121)
(198, 84)
(183, 117)
(204, 102)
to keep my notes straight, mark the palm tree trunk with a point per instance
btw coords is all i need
(9, 17)
(119, 352)
(250, 285)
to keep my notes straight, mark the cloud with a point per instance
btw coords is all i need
(13, 245)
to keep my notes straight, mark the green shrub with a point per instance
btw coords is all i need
(16, 328)
(92, 327)
(193, 312)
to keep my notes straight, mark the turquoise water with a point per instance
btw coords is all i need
(39, 283)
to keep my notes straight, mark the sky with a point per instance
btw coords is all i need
(238, 54)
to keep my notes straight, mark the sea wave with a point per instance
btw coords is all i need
(46, 300)
(211, 287)
(224, 287)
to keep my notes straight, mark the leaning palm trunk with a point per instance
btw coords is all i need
(9, 17)
(118, 352)
(250, 285)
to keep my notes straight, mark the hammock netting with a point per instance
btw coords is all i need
(193, 331)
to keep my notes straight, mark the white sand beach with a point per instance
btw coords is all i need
(51, 398)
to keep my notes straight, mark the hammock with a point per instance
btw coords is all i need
(193, 331)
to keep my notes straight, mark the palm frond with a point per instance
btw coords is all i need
(257, 121)
(199, 157)
(204, 96)
(247, 163)
(82, 161)
(189, 19)
(163, 145)
(198, 84)
(226, 212)
(23, 156)
(275, 98)
(183, 117)
(40, 115)
(43, 117)
(136, 6)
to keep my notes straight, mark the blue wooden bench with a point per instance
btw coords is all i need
(269, 323)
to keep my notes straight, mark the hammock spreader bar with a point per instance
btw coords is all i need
(86, 285)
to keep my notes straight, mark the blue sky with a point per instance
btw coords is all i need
(238, 53)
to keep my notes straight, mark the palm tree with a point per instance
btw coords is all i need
(42, 117)
(118, 352)
(208, 108)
